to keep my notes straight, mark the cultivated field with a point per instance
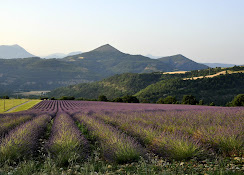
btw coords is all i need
(214, 75)
(36, 93)
(78, 137)
(6, 104)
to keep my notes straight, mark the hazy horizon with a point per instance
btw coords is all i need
(204, 31)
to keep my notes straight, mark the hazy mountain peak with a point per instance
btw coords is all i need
(13, 51)
(16, 46)
(106, 48)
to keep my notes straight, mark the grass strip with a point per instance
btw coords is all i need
(26, 106)
(6, 104)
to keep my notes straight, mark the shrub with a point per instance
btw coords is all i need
(238, 100)
(130, 99)
(67, 98)
(43, 98)
(170, 100)
(160, 101)
(167, 100)
(144, 101)
(80, 99)
(102, 98)
(118, 99)
(189, 99)
(201, 102)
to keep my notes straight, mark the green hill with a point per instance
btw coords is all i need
(115, 86)
(152, 86)
(108, 61)
(220, 89)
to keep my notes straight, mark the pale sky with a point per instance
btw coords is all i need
(202, 30)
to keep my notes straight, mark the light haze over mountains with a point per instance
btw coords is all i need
(61, 55)
(16, 51)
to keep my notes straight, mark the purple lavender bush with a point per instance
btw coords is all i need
(66, 142)
(116, 146)
(9, 122)
(23, 140)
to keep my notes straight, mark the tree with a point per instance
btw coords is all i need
(167, 100)
(102, 98)
(67, 98)
(118, 99)
(43, 98)
(170, 100)
(130, 99)
(189, 99)
(160, 101)
(80, 99)
(238, 100)
(5, 97)
(201, 102)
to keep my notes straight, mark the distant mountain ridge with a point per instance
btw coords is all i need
(46, 74)
(61, 55)
(213, 65)
(13, 51)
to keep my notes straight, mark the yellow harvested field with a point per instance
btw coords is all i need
(176, 72)
(214, 75)
(32, 93)
(6, 104)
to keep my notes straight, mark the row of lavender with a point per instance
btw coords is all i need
(125, 131)
(184, 134)
(173, 131)
(22, 140)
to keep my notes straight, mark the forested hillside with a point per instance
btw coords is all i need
(152, 86)
(115, 86)
(220, 89)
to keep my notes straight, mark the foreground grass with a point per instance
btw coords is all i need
(10, 103)
(26, 106)
(151, 165)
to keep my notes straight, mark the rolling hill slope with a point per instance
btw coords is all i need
(115, 86)
(219, 89)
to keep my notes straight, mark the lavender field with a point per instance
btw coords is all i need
(79, 137)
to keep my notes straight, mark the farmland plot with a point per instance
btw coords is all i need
(78, 137)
